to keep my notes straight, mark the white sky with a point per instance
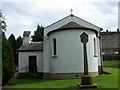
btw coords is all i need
(24, 15)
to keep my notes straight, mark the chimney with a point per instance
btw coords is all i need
(106, 30)
(26, 37)
(118, 30)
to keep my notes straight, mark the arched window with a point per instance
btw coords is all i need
(54, 47)
(94, 46)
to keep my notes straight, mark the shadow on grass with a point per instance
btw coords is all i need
(112, 64)
(116, 66)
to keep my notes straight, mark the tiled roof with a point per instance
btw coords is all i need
(36, 46)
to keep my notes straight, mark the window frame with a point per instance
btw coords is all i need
(54, 47)
(94, 40)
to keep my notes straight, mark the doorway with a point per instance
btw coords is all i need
(32, 64)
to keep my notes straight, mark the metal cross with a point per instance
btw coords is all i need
(71, 10)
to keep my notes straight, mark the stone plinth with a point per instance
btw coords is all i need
(86, 80)
(86, 86)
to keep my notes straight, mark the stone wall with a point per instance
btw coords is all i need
(110, 42)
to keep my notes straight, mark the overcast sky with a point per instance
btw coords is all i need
(24, 15)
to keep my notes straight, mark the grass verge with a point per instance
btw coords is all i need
(104, 81)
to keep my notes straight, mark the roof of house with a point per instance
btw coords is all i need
(71, 21)
(110, 33)
(36, 46)
(71, 26)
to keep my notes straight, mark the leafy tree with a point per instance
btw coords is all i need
(38, 34)
(8, 67)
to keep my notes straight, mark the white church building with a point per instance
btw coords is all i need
(60, 55)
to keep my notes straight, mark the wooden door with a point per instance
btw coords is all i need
(32, 64)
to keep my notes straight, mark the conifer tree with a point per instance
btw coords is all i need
(13, 44)
(8, 66)
(38, 34)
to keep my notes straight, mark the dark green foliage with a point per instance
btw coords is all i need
(38, 34)
(8, 67)
(15, 44)
(19, 42)
(12, 41)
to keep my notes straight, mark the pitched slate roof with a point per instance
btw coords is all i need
(72, 25)
(36, 46)
(71, 20)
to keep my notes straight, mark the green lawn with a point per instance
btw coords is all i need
(108, 80)
(104, 81)
(112, 63)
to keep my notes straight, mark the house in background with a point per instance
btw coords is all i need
(110, 45)
(60, 55)
(110, 42)
(30, 57)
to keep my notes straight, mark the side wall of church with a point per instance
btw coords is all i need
(24, 61)
(98, 49)
(46, 65)
(69, 58)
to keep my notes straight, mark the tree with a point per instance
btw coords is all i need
(0, 48)
(19, 42)
(12, 41)
(15, 44)
(38, 34)
(8, 67)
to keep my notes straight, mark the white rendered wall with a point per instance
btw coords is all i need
(98, 51)
(26, 40)
(70, 52)
(46, 65)
(24, 61)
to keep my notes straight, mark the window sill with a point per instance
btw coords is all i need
(55, 56)
(95, 55)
